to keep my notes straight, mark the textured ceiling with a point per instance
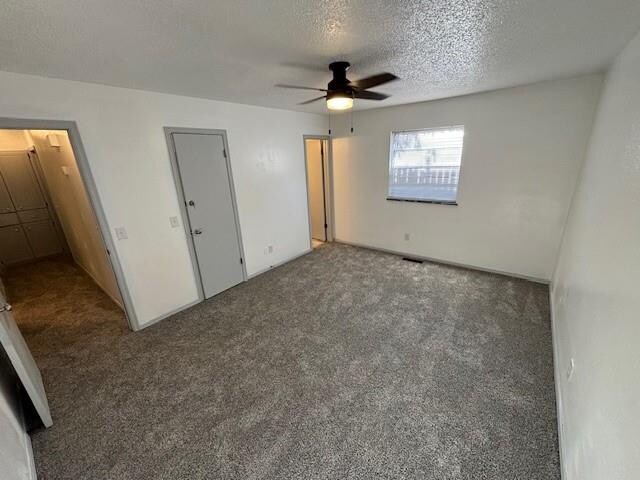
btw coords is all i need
(236, 50)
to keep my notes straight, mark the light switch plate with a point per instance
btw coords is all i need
(174, 222)
(121, 233)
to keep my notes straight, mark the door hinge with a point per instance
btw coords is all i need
(224, 152)
(326, 226)
(5, 308)
(241, 262)
(108, 252)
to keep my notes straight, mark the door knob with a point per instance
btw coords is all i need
(197, 231)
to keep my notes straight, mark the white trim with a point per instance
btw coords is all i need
(171, 313)
(279, 264)
(557, 376)
(445, 262)
(33, 474)
(197, 301)
(425, 129)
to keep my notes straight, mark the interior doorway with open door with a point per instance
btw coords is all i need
(55, 251)
(61, 285)
(318, 168)
(204, 181)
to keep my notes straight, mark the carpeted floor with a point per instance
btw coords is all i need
(343, 364)
(58, 307)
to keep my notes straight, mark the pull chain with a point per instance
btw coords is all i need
(351, 119)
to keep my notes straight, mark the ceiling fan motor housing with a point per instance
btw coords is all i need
(340, 83)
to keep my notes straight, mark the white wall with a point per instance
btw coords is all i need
(596, 306)
(122, 132)
(523, 148)
(74, 209)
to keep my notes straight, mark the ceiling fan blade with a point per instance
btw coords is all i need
(369, 95)
(312, 100)
(297, 87)
(373, 81)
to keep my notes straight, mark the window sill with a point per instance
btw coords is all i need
(412, 200)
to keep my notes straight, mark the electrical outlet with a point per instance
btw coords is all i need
(121, 233)
(174, 222)
(407, 237)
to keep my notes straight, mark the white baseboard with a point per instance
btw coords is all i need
(33, 475)
(168, 314)
(290, 259)
(557, 376)
(444, 262)
(195, 302)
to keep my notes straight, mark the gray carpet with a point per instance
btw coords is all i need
(343, 364)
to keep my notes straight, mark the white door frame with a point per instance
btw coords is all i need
(328, 185)
(94, 198)
(177, 180)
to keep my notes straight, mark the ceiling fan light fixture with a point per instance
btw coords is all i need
(339, 102)
(341, 92)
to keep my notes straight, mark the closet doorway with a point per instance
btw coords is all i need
(57, 266)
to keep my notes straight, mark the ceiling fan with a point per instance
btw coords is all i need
(341, 91)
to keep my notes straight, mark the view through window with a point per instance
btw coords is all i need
(424, 165)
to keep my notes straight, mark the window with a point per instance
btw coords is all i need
(424, 165)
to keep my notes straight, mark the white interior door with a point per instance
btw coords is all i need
(316, 187)
(23, 363)
(206, 183)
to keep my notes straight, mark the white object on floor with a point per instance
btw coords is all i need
(23, 362)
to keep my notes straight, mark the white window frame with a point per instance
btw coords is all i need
(418, 200)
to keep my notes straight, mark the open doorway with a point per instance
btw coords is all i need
(318, 189)
(55, 265)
